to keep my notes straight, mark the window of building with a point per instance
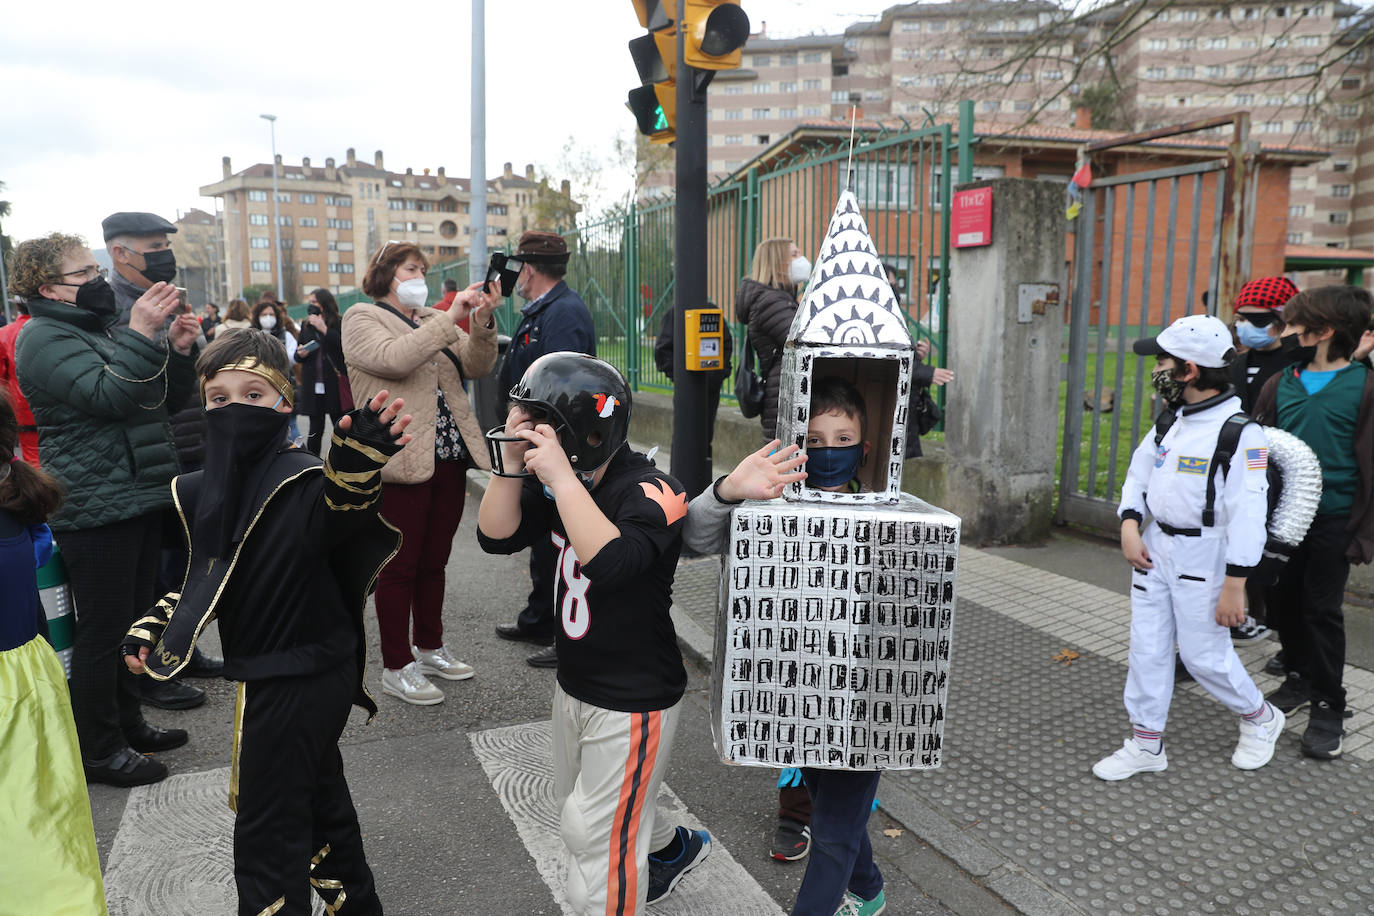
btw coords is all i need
(1295, 238)
(1187, 44)
(761, 139)
(1250, 13)
(762, 114)
(1216, 71)
(851, 44)
(1022, 77)
(936, 80)
(787, 60)
(839, 69)
(811, 84)
(1340, 165)
(734, 89)
(1347, 111)
(734, 114)
(1340, 190)
(1248, 44)
(498, 209)
(1181, 101)
(1183, 73)
(1279, 12)
(260, 266)
(734, 140)
(937, 26)
(307, 198)
(1157, 44)
(425, 206)
(1277, 70)
(258, 219)
(309, 267)
(1274, 100)
(1273, 127)
(787, 86)
(1023, 105)
(339, 223)
(283, 221)
(811, 111)
(1302, 127)
(1338, 219)
(1245, 71)
(1350, 82)
(331, 201)
(1052, 75)
(992, 53)
(1245, 98)
(1217, 44)
(259, 241)
(1346, 136)
(873, 95)
(1310, 41)
(310, 244)
(909, 54)
(257, 195)
(762, 88)
(308, 222)
(1155, 73)
(283, 197)
(787, 112)
(1297, 210)
(911, 25)
(990, 107)
(813, 57)
(762, 60)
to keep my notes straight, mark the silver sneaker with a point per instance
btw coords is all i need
(410, 684)
(441, 663)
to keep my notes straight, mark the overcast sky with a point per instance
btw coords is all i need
(117, 106)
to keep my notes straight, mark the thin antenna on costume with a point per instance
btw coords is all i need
(849, 165)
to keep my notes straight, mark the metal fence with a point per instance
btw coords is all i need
(622, 264)
(1151, 247)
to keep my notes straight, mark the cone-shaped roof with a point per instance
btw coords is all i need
(848, 299)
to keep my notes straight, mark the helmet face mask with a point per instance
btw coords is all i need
(585, 400)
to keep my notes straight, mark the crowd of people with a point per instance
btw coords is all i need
(122, 415)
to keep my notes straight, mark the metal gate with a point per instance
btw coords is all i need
(1151, 247)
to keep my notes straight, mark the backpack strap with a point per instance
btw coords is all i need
(1227, 443)
(1165, 420)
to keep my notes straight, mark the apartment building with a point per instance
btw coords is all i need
(330, 220)
(198, 245)
(1019, 63)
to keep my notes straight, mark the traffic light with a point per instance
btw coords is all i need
(713, 33)
(654, 103)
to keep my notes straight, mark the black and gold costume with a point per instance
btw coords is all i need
(304, 544)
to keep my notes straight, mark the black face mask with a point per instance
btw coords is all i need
(240, 442)
(160, 266)
(1296, 351)
(95, 296)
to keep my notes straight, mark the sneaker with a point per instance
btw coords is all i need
(125, 768)
(441, 663)
(664, 876)
(1276, 665)
(1291, 695)
(1131, 759)
(1322, 739)
(1249, 632)
(1256, 745)
(410, 684)
(791, 841)
(854, 905)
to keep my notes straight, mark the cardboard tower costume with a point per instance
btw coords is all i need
(836, 608)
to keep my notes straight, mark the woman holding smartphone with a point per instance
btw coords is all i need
(320, 354)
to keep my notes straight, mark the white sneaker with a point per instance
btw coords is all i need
(1131, 759)
(1249, 632)
(441, 663)
(410, 684)
(1256, 745)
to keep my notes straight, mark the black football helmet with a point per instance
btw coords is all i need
(585, 400)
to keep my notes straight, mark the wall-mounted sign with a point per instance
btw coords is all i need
(971, 218)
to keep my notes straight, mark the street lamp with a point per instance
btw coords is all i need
(276, 218)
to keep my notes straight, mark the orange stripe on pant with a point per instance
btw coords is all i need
(639, 764)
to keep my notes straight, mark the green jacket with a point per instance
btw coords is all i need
(100, 395)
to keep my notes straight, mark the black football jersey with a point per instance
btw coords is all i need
(617, 648)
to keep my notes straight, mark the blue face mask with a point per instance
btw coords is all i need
(831, 467)
(1253, 337)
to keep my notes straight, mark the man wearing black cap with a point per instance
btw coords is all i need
(554, 318)
(142, 255)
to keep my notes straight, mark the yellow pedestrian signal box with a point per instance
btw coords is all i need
(705, 345)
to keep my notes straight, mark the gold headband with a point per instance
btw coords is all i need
(249, 364)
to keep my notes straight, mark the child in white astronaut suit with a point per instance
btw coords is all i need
(1188, 572)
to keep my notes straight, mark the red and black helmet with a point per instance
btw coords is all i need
(585, 399)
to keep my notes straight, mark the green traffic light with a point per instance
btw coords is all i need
(660, 119)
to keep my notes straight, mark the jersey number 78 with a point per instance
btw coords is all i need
(573, 610)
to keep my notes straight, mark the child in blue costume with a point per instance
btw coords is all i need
(49, 841)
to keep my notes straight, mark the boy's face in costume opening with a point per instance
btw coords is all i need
(834, 430)
(235, 386)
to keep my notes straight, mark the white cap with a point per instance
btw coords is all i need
(1199, 339)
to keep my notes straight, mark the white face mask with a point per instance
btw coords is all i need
(412, 293)
(799, 271)
(267, 321)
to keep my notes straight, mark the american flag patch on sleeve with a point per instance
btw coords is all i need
(1256, 459)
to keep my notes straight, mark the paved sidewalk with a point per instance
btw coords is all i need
(1016, 804)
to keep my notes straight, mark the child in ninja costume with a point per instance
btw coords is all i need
(1188, 571)
(616, 524)
(291, 621)
(841, 876)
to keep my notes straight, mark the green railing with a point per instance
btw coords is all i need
(622, 264)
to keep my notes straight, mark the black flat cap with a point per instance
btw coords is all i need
(135, 224)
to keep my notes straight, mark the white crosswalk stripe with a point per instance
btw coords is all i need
(518, 760)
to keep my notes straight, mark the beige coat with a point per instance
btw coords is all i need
(382, 351)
